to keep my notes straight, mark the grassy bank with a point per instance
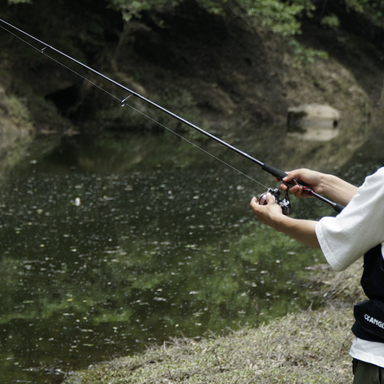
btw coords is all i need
(307, 347)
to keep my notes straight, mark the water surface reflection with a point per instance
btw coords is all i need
(101, 256)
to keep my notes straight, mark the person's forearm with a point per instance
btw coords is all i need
(301, 230)
(337, 189)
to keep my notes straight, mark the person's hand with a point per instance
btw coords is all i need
(310, 179)
(271, 214)
(268, 212)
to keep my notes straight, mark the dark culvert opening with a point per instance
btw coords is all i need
(67, 101)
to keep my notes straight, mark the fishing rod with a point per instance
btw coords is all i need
(284, 203)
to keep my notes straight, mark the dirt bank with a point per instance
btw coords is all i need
(223, 75)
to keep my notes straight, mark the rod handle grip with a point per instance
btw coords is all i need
(280, 175)
(273, 171)
(337, 207)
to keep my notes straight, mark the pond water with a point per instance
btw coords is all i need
(109, 245)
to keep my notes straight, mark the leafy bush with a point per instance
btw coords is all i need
(277, 15)
(331, 21)
(280, 16)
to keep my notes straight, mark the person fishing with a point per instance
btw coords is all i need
(356, 231)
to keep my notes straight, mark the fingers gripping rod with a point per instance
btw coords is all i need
(265, 167)
(280, 175)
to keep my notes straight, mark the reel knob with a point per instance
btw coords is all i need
(263, 198)
(275, 193)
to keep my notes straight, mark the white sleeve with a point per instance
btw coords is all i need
(358, 228)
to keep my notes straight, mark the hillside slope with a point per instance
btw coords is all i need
(221, 74)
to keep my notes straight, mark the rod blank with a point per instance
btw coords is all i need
(265, 167)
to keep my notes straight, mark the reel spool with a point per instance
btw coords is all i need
(284, 202)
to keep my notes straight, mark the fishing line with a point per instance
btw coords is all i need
(196, 146)
(148, 101)
(265, 167)
(42, 50)
(123, 103)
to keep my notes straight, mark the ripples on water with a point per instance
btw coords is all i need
(96, 265)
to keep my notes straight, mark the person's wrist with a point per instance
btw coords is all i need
(327, 183)
(279, 221)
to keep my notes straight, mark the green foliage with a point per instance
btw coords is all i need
(19, 1)
(277, 15)
(305, 56)
(373, 10)
(330, 21)
(358, 5)
(134, 8)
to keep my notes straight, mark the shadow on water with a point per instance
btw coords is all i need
(108, 245)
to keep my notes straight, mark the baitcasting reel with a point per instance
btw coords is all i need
(284, 203)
